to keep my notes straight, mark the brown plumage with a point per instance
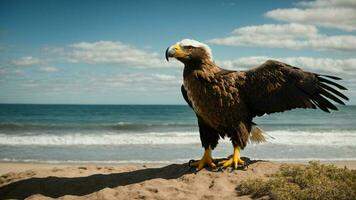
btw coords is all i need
(225, 101)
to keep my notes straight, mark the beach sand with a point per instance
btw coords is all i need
(133, 181)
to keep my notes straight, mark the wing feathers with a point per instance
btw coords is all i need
(277, 87)
(323, 108)
(324, 86)
(330, 96)
(332, 77)
(325, 92)
(324, 102)
(321, 79)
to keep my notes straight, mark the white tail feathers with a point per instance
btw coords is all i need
(257, 135)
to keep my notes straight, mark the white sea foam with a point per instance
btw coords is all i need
(123, 123)
(345, 138)
(101, 139)
(338, 138)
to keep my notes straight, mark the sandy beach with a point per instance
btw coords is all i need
(134, 181)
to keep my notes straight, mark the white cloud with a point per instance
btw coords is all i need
(339, 14)
(137, 81)
(2, 71)
(291, 36)
(328, 3)
(48, 69)
(53, 50)
(287, 30)
(26, 61)
(111, 84)
(326, 65)
(117, 53)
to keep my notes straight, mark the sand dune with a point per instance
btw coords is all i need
(176, 181)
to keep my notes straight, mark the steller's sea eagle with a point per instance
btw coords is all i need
(225, 101)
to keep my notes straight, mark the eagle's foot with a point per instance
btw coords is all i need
(206, 160)
(235, 161)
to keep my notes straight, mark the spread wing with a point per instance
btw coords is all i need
(276, 87)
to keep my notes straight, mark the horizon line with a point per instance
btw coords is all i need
(123, 104)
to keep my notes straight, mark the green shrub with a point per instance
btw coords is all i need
(313, 181)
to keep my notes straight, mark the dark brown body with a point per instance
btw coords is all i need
(226, 101)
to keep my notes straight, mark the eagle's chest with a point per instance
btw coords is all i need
(203, 100)
(195, 93)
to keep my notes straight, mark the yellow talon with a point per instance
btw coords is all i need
(206, 160)
(235, 161)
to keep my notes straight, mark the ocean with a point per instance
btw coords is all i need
(162, 134)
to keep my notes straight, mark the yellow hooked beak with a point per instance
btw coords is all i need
(175, 51)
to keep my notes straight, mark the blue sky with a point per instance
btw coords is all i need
(112, 52)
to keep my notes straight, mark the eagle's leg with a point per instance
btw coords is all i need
(206, 160)
(235, 161)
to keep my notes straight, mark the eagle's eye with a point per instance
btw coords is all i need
(188, 47)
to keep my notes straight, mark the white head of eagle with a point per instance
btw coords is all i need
(188, 50)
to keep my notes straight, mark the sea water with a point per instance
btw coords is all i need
(162, 134)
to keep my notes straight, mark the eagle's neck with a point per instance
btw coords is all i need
(205, 66)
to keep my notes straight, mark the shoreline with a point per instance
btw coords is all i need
(15, 167)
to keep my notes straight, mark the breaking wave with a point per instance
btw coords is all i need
(342, 138)
(88, 126)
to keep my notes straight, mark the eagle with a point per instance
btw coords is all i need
(225, 101)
